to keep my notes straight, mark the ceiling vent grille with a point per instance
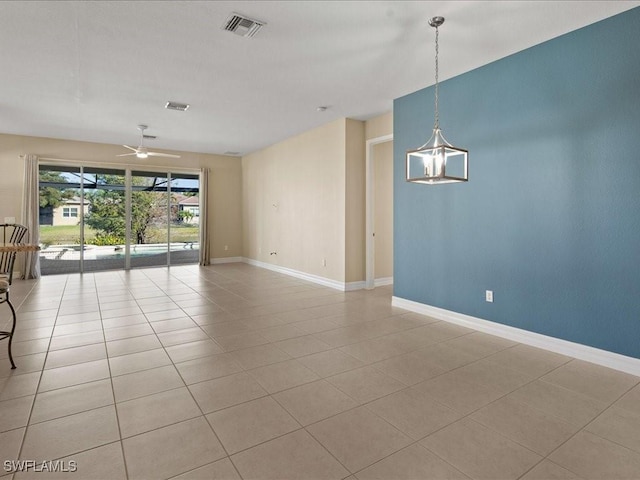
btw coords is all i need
(149, 137)
(176, 106)
(243, 26)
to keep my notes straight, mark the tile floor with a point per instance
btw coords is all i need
(232, 371)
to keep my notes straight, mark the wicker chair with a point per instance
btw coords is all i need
(4, 298)
(11, 233)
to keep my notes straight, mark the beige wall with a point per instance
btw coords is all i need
(304, 198)
(294, 202)
(383, 209)
(379, 126)
(355, 201)
(225, 181)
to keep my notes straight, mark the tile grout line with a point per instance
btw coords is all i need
(583, 429)
(113, 395)
(224, 449)
(35, 394)
(202, 414)
(321, 378)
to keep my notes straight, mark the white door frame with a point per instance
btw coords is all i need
(369, 210)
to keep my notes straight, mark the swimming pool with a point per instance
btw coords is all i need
(92, 252)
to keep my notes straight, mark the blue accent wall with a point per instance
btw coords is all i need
(550, 217)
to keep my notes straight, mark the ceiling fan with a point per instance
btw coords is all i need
(141, 151)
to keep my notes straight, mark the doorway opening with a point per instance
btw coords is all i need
(379, 211)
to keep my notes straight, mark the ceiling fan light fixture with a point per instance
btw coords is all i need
(437, 161)
(143, 152)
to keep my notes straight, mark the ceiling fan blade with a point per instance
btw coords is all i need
(125, 154)
(156, 154)
(130, 148)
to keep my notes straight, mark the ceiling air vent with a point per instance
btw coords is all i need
(176, 106)
(243, 26)
(149, 137)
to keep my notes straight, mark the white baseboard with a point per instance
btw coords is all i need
(361, 285)
(351, 286)
(327, 282)
(218, 261)
(576, 350)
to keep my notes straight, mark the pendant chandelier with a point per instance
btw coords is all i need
(437, 161)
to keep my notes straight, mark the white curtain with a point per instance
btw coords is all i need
(31, 216)
(205, 252)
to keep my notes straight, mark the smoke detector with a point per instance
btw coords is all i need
(241, 25)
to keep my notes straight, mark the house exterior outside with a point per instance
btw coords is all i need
(66, 214)
(191, 205)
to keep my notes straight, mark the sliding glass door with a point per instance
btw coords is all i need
(104, 219)
(61, 207)
(184, 228)
(149, 219)
(94, 219)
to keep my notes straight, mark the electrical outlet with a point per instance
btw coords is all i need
(488, 295)
(9, 219)
(226, 247)
(324, 262)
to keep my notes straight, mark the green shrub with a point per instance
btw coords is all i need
(104, 239)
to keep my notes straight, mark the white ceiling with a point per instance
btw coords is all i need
(93, 70)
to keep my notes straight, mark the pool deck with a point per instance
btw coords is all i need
(61, 265)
